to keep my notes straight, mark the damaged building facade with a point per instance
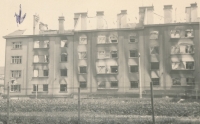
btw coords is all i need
(118, 61)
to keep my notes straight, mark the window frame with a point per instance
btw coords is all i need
(155, 81)
(134, 37)
(80, 53)
(137, 55)
(179, 84)
(82, 67)
(153, 49)
(188, 63)
(62, 75)
(83, 82)
(111, 67)
(65, 88)
(12, 88)
(156, 66)
(35, 87)
(114, 82)
(45, 89)
(193, 84)
(134, 82)
(47, 71)
(15, 60)
(98, 38)
(65, 57)
(16, 71)
(16, 44)
(81, 41)
(133, 66)
(111, 52)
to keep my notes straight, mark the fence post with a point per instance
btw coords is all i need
(8, 103)
(152, 105)
(79, 105)
(196, 94)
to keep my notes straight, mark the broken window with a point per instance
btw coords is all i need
(133, 53)
(134, 84)
(16, 73)
(155, 65)
(178, 65)
(83, 40)
(45, 72)
(83, 69)
(155, 81)
(175, 49)
(35, 87)
(132, 39)
(175, 33)
(190, 81)
(114, 54)
(83, 84)
(101, 39)
(189, 65)
(133, 68)
(63, 87)
(82, 55)
(16, 59)
(46, 44)
(35, 73)
(15, 88)
(113, 39)
(101, 84)
(63, 43)
(64, 57)
(17, 45)
(176, 81)
(154, 50)
(101, 54)
(189, 49)
(63, 72)
(189, 33)
(114, 84)
(101, 69)
(154, 35)
(114, 69)
(36, 44)
(45, 87)
(46, 58)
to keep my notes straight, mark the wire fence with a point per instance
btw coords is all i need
(100, 106)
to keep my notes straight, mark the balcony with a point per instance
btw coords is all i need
(184, 49)
(183, 65)
(40, 59)
(176, 34)
(41, 45)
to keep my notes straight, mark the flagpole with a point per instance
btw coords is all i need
(33, 24)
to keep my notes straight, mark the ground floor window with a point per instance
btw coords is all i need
(15, 88)
(45, 87)
(83, 84)
(176, 81)
(114, 84)
(134, 84)
(63, 87)
(155, 81)
(35, 87)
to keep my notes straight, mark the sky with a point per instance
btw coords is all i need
(50, 10)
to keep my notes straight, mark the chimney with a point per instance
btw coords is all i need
(80, 19)
(100, 20)
(141, 15)
(194, 12)
(191, 13)
(167, 13)
(150, 15)
(61, 20)
(188, 14)
(122, 19)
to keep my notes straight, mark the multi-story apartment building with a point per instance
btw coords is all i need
(122, 60)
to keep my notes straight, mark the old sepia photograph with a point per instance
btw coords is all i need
(100, 62)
